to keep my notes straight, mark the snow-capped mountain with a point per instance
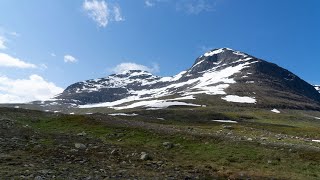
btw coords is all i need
(225, 75)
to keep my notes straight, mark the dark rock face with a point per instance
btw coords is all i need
(271, 85)
(284, 80)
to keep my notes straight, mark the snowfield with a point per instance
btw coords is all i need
(123, 114)
(159, 104)
(275, 111)
(225, 121)
(239, 99)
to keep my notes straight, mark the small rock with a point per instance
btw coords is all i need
(168, 145)
(249, 139)
(38, 178)
(145, 156)
(73, 150)
(80, 146)
(264, 138)
(115, 152)
(227, 127)
(82, 134)
(5, 157)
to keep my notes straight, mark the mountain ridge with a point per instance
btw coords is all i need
(224, 74)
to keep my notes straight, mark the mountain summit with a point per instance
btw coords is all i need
(220, 76)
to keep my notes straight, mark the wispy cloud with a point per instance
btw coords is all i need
(2, 43)
(8, 61)
(120, 68)
(117, 13)
(53, 54)
(6, 36)
(69, 59)
(101, 12)
(149, 3)
(13, 33)
(25, 90)
(205, 48)
(195, 6)
(188, 6)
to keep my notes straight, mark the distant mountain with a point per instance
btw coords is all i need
(220, 76)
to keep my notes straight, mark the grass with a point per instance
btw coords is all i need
(215, 154)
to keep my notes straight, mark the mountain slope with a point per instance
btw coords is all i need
(219, 76)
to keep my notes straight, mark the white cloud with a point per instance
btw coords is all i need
(133, 66)
(117, 13)
(53, 54)
(2, 43)
(9, 61)
(43, 66)
(101, 12)
(149, 3)
(68, 58)
(26, 90)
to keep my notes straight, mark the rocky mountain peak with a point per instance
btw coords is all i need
(218, 57)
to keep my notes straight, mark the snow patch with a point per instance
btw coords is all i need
(239, 99)
(122, 114)
(275, 111)
(156, 104)
(317, 118)
(314, 140)
(239, 53)
(211, 53)
(184, 98)
(225, 121)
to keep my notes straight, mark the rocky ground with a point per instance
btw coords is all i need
(37, 145)
(25, 155)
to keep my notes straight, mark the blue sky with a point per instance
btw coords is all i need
(55, 43)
